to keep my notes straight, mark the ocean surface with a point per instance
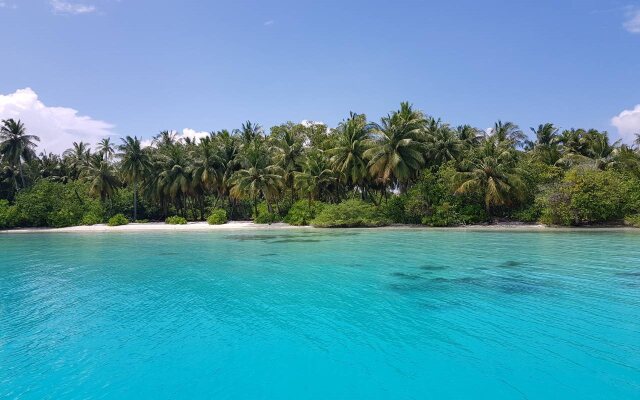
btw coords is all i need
(320, 314)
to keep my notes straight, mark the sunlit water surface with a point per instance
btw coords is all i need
(321, 314)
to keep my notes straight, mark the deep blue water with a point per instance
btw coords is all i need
(406, 314)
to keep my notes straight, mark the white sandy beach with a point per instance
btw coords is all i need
(248, 225)
(157, 227)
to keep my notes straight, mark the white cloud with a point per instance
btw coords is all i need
(64, 7)
(632, 23)
(308, 123)
(627, 123)
(269, 22)
(180, 136)
(57, 127)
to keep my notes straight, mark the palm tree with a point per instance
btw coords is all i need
(258, 177)
(492, 178)
(16, 146)
(315, 175)
(602, 152)
(546, 147)
(250, 132)
(347, 157)
(289, 153)
(508, 131)
(77, 157)
(164, 139)
(135, 163)
(101, 177)
(106, 149)
(396, 152)
(442, 145)
(469, 136)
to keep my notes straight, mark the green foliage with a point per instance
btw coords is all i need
(55, 204)
(302, 212)
(587, 196)
(217, 217)
(350, 213)
(142, 221)
(8, 215)
(175, 220)
(91, 218)
(633, 220)
(264, 216)
(117, 220)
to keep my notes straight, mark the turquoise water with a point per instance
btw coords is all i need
(406, 314)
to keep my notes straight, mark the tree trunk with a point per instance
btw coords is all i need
(135, 198)
(21, 174)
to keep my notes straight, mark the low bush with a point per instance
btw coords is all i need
(217, 217)
(348, 214)
(175, 220)
(302, 212)
(142, 221)
(91, 218)
(8, 215)
(633, 220)
(117, 220)
(264, 216)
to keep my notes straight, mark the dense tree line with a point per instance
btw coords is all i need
(406, 168)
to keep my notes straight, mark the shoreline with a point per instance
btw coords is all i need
(248, 225)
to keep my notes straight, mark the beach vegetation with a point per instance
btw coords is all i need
(404, 168)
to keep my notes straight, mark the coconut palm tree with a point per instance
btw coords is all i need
(101, 177)
(135, 162)
(289, 149)
(603, 152)
(16, 146)
(315, 175)
(347, 157)
(76, 158)
(164, 139)
(508, 131)
(492, 178)
(106, 149)
(258, 178)
(546, 146)
(442, 145)
(396, 153)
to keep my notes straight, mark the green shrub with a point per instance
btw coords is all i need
(91, 218)
(442, 215)
(142, 221)
(175, 220)
(302, 212)
(8, 215)
(350, 213)
(117, 220)
(217, 217)
(394, 209)
(264, 216)
(632, 220)
(585, 197)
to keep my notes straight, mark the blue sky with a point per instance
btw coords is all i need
(138, 66)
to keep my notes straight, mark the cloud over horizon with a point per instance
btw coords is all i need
(57, 127)
(627, 123)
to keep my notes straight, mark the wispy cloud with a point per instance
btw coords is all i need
(4, 4)
(269, 22)
(632, 23)
(65, 7)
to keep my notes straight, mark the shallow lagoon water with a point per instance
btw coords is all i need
(406, 314)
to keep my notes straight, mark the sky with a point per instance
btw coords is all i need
(84, 69)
